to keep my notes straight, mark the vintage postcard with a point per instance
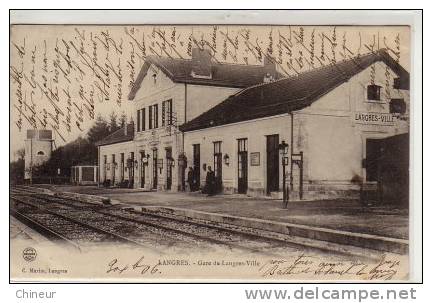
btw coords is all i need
(151, 153)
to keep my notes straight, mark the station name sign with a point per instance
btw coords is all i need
(369, 118)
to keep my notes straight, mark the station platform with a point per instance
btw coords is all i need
(341, 215)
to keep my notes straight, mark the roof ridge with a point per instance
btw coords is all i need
(295, 92)
(311, 70)
(213, 61)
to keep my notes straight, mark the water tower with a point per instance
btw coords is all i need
(38, 148)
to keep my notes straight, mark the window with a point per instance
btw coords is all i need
(40, 153)
(374, 92)
(167, 112)
(242, 145)
(397, 106)
(401, 83)
(217, 146)
(141, 120)
(143, 124)
(138, 128)
(153, 116)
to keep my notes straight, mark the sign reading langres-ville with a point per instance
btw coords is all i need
(185, 132)
(375, 118)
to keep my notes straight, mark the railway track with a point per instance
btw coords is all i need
(147, 228)
(64, 228)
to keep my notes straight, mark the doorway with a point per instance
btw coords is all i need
(169, 160)
(373, 159)
(132, 170)
(155, 167)
(217, 164)
(272, 163)
(196, 165)
(142, 169)
(387, 164)
(242, 166)
(113, 169)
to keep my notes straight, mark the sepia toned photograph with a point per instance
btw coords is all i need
(173, 152)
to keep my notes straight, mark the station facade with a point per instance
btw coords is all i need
(167, 93)
(197, 113)
(334, 121)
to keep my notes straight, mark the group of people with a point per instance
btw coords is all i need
(194, 182)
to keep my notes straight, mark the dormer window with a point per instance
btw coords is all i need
(397, 106)
(41, 153)
(268, 78)
(374, 92)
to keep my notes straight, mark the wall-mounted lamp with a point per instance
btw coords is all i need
(182, 160)
(226, 159)
(144, 159)
(283, 148)
(170, 162)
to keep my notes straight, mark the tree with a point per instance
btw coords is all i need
(123, 120)
(20, 153)
(81, 151)
(98, 131)
(113, 126)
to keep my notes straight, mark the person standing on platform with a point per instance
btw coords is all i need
(210, 181)
(190, 179)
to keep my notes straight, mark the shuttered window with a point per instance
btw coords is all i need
(138, 128)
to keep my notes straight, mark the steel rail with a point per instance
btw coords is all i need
(87, 225)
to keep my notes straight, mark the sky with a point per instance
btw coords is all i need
(63, 76)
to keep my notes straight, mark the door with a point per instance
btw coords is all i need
(272, 163)
(113, 169)
(122, 167)
(217, 159)
(373, 159)
(196, 165)
(132, 170)
(169, 160)
(155, 173)
(142, 169)
(242, 166)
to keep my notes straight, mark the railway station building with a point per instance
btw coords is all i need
(167, 93)
(336, 129)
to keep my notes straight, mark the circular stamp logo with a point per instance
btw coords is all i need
(29, 254)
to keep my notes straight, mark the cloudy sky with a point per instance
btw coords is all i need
(62, 77)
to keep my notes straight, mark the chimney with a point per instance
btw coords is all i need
(201, 63)
(269, 69)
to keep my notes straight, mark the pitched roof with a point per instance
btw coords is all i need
(223, 74)
(118, 136)
(289, 94)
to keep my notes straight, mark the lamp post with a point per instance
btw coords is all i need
(283, 148)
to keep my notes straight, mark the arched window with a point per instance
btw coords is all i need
(40, 153)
